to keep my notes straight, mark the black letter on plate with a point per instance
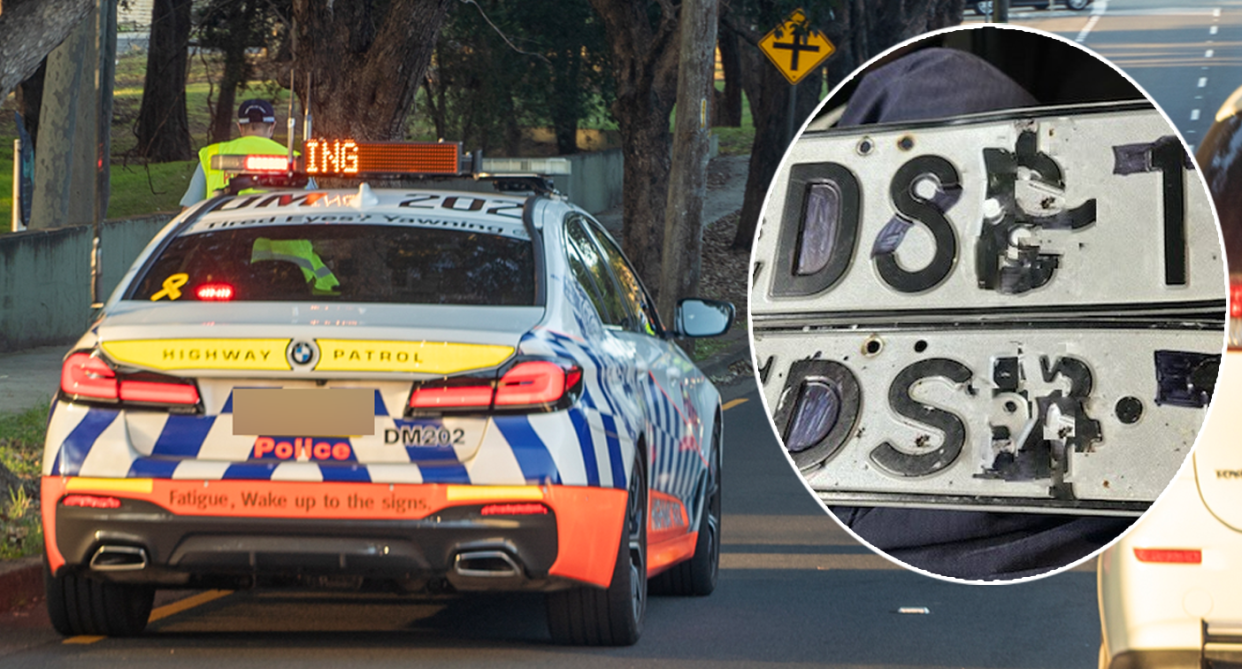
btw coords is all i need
(1031, 269)
(906, 464)
(1167, 156)
(912, 208)
(818, 229)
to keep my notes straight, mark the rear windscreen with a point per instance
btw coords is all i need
(349, 263)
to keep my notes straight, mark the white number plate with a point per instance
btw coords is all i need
(1020, 312)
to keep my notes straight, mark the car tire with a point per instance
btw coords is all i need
(590, 616)
(1077, 5)
(80, 605)
(697, 576)
(983, 8)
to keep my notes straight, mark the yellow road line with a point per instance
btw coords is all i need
(83, 639)
(161, 612)
(187, 603)
(732, 403)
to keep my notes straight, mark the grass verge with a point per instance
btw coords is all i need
(21, 452)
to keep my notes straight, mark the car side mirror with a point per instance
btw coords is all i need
(703, 318)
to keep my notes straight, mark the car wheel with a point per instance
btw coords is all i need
(590, 616)
(983, 8)
(80, 605)
(1077, 5)
(697, 576)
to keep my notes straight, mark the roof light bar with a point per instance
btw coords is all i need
(550, 167)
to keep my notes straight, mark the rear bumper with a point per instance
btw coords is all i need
(1175, 659)
(174, 532)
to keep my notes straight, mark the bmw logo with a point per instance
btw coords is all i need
(302, 353)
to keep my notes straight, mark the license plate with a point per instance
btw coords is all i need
(1011, 311)
(307, 412)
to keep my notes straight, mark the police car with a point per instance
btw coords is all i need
(1168, 591)
(419, 386)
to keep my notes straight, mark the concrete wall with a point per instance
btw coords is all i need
(45, 275)
(594, 182)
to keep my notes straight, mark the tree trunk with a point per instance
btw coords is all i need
(366, 69)
(727, 112)
(65, 175)
(163, 129)
(644, 60)
(770, 109)
(29, 31)
(236, 71)
(683, 214)
(564, 116)
(862, 30)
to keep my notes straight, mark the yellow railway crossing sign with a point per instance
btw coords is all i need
(795, 48)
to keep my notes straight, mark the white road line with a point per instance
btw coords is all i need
(1097, 10)
(1216, 12)
(1202, 82)
(1086, 30)
(1212, 30)
(1194, 114)
(1208, 53)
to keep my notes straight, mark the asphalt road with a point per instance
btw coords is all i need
(1185, 53)
(794, 589)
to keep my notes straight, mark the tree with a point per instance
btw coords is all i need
(29, 31)
(567, 85)
(727, 112)
(163, 129)
(643, 37)
(366, 59)
(500, 65)
(860, 29)
(232, 27)
(683, 214)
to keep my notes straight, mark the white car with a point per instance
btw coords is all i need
(1170, 591)
(518, 417)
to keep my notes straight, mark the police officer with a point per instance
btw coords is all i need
(256, 120)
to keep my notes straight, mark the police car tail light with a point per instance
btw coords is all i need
(434, 397)
(90, 378)
(528, 509)
(1235, 313)
(158, 392)
(91, 501)
(1169, 555)
(85, 376)
(535, 382)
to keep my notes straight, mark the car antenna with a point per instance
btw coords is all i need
(291, 123)
(306, 113)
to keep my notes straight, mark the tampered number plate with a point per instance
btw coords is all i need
(1018, 311)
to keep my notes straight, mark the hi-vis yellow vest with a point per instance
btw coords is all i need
(249, 145)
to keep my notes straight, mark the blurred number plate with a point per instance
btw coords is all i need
(1021, 312)
(304, 412)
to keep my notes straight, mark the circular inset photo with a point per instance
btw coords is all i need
(988, 303)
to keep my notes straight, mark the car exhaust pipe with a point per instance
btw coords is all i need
(119, 558)
(486, 564)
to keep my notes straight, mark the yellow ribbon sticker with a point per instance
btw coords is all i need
(172, 287)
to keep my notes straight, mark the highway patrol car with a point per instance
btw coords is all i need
(419, 386)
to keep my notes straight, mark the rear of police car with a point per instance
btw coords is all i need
(320, 385)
